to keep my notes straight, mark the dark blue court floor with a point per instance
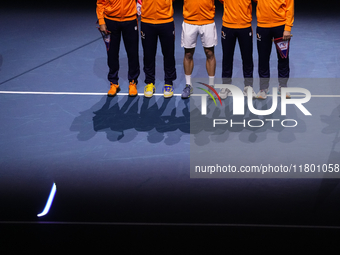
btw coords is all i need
(127, 160)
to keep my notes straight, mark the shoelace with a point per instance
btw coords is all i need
(187, 88)
(149, 86)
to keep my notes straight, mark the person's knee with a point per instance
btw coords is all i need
(189, 55)
(209, 52)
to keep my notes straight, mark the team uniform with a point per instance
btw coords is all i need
(236, 25)
(120, 18)
(273, 18)
(157, 22)
(198, 21)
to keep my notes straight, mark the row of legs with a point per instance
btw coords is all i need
(166, 34)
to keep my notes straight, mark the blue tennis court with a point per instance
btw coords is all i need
(126, 160)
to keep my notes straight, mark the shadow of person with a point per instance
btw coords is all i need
(123, 118)
(1, 61)
(251, 128)
(115, 120)
(175, 121)
(83, 124)
(328, 184)
(153, 120)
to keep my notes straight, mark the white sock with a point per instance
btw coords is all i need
(211, 80)
(188, 79)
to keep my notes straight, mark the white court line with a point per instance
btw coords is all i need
(119, 94)
(72, 93)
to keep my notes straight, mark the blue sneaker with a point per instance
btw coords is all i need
(168, 91)
(187, 91)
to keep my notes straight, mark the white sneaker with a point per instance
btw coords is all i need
(262, 94)
(224, 93)
(288, 96)
(245, 91)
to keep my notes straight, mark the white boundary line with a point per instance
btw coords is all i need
(72, 93)
(119, 94)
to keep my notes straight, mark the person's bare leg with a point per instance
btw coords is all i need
(188, 61)
(188, 64)
(211, 61)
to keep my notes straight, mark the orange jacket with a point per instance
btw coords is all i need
(273, 13)
(118, 10)
(237, 13)
(157, 11)
(199, 12)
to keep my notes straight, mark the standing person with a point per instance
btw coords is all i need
(157, 22)
(274, 20)
(237, 17)
(119, 18)
(198, 20)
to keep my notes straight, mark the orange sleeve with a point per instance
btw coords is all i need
(289, 15)
(272, 13)
(100, 11)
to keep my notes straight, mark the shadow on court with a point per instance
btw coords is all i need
(329, 185)
(122, 123)
(250, 128)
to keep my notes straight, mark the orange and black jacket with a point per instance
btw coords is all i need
(199, 12)
(157, 11)
(118, 10)
(274, 13)
(237, 13)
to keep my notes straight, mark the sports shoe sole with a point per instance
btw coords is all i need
(186, 97)
(168, 96)
(149, 96)
(112, 95)
(287, 97)
(133, 95)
